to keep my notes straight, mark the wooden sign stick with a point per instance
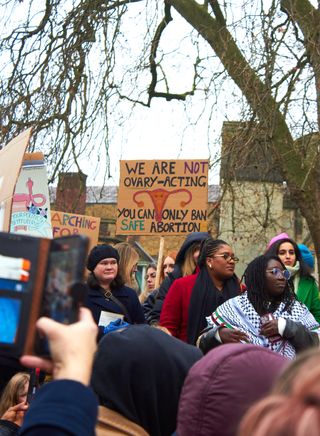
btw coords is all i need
(159, 263)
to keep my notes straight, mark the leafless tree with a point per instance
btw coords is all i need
(275, 62)
(270, 50)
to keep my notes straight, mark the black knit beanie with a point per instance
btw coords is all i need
(100, 252)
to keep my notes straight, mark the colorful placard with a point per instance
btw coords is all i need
(162, 197)
(31, 202)
(11, 157)
(65, 224)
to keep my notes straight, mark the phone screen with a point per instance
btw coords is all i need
(61, 276)
(10, 311)
(64, 290)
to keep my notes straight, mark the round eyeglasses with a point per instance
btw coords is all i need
(279, 273)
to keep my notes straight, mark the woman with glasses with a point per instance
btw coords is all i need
(300, 264)
(267, 314)
(185, 264)
(191, 298)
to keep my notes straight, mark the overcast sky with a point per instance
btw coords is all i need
(166, 130)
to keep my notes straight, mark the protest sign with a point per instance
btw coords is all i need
(31, 202)
(11, 157)
(162, 197)
(65, 224)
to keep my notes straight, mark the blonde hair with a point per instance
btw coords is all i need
(306, 362)
(295, 412)
(189, 264)
(128, 259)
(12, 391)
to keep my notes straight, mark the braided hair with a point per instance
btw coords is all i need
(208, 247)
(205, 297)
(255, 280)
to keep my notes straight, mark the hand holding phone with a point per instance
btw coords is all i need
(15, 414)
(64, 291)
(72, 348)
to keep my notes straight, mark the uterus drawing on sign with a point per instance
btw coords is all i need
(28, 201)
(159, 198)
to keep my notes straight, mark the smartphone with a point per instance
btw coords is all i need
(64, 290)
(19, 264)
(38, 277)
(33, 384)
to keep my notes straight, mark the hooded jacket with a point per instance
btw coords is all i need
(139, 372)
(221, 387)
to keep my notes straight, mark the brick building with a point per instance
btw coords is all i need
(251, 205)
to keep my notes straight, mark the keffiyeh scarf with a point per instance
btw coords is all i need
(239, 313)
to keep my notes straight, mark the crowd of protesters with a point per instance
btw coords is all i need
(205, 353)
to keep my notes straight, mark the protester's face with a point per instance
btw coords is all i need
(106, 270)
(151, 278)
(220, 267)
(287, 254)
(168, 265)
(22, 397)
(274, 280)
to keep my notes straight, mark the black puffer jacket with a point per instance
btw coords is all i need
(152, 314)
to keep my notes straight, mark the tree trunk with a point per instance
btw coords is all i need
(301, 173)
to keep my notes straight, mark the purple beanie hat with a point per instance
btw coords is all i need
(277, 238)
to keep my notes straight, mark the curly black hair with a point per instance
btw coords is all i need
(255, 277)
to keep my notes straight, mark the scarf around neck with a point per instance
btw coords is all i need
(238, 313)
(295, 276)
(294, 269)
(205, 298)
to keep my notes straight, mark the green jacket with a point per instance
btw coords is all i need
(308, 293)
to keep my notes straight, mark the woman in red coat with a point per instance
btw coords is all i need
(190, 299)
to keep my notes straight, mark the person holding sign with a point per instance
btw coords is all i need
(190, 299)
(108, 298)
